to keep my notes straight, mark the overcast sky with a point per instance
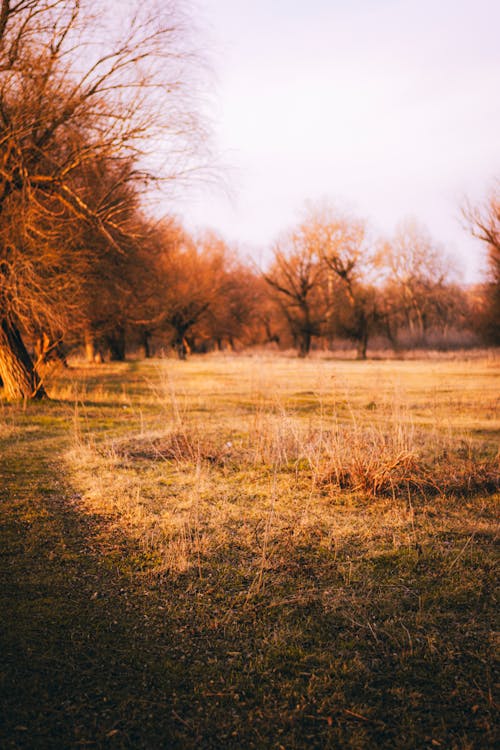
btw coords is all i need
(390, 107)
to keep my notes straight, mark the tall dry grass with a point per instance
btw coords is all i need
(243, 460)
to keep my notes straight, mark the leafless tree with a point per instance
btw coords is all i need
(295, 279)
(79, 87)
(233, 316)
(197, 283)
(341, 243)
(483, 221)
(417, 290)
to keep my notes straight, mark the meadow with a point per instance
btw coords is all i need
(253, 551)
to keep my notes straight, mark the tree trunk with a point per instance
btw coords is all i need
(89, 346)
(362, 346)
(392, 336)
(305, 343)
(182, 347)
(19, 377)
(116, 344)
(146, 337)
(93, 348)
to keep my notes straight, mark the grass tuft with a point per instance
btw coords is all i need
(400, 463)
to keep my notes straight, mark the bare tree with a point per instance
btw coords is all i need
(233, 315)
(342, 245)
(483, 222)
(188, 279)
(417, 289)
(295, 279)
(76, 89)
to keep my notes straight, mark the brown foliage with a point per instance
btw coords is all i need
(78, 113)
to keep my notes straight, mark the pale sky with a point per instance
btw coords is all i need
(389, 107)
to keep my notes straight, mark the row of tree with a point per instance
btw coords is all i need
(328, 281)
(96, 107)
(331, 278)
(89, 123)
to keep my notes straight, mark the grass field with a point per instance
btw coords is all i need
(253, 552)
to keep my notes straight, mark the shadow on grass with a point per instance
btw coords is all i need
(78, 666)
(97, 653)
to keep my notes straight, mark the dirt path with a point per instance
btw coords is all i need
(79, 664)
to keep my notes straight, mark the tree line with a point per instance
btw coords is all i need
(90, 123)
(97, 106)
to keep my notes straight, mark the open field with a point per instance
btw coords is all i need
(253, 552)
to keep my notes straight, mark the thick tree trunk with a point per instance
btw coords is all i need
(116, 344)
(19, 377)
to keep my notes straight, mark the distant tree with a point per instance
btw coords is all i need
(295, 279)
(160, 241)
(484, 223)
(271, 326)
(418, 294)
(349, 260)
(234, 314)
(189, 279)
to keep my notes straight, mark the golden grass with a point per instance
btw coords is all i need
(259, 453)
(309, 547)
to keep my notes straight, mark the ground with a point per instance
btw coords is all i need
(252, 552)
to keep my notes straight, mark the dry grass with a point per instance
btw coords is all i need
(308, 550)
(253, 448)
